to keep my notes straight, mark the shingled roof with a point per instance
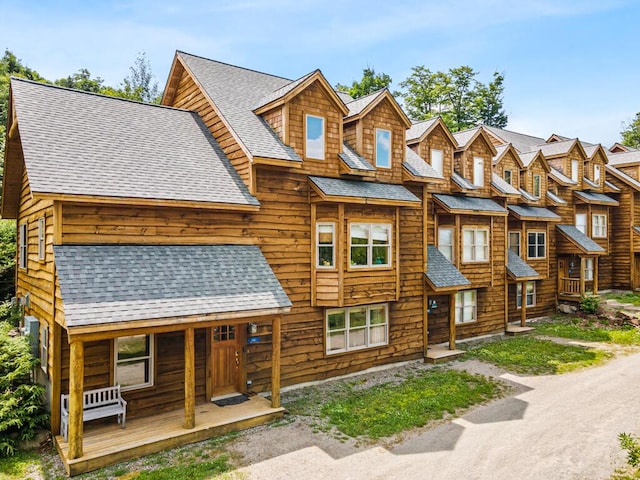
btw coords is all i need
(460, 203)
(78, 143)
(353, 160)
(103, 284)
(595, 198)
(503, 186)
(521, 142)
(580, 239)
(418, 167)
(441, 273)
(518, 269)
(526, 212)
(364, 192)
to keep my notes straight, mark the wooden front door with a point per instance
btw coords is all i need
(226, 359)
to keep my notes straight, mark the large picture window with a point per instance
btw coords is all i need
(325, 244)
(383, 148)
(599, 226)
(466, 306)
(437, 161)
(530, 293)
(314, 144)
(445, 242)
(536, 244)
(355, 328)
(22, 245)
(134, 361)
(475, 245)
(370, 245)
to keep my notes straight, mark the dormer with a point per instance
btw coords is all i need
(534, 178)
(506, 172)
(473, 161)
(375, 127)
(566, 157)
(432, 141)
(594, 167)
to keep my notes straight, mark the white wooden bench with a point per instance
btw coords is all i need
(99, 403)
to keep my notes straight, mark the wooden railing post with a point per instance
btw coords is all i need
(275, 362)
(452, 321)
(189, 379)
(523, 305)
(76, 387)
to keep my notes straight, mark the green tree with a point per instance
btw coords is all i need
(631, 133)
(139, 85)
(488, 102)
(81, 80)
(369, 83)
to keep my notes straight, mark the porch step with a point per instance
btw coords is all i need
(515, 330)
(442, 354)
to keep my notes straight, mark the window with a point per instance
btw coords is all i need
(445, 242)
(370, 245)
(575, 165)
(508, 177)
(383, 148)
(355, 328)
(588, 269)
(22, 246)
(314, 145)
(596, 174)
(134, 361)
(536, 245)
(466, 306)
(581, 222)
(478, 171)
(325, 241)
(514, 242)
(475, 245)
(530, 290)
(41, 238)
(536, 186)
(598, 226)
(437, 162)
(44, 347)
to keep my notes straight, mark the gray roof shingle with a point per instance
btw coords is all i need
(595, 197)
(519, 268)
(80, 143)
(417, 129)
(462, 182)
(418, 167)
(441, 272)
(520, 141)
(624, 158)
(281, 92)
(622, 176)
(556, 198)
(357, 106)
(367, 190)
(561, 177)
(480, 205)
(501, 184)
(102, 284)
(584, 242)
(527, 212)
(353, 160)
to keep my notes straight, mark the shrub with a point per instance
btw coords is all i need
(10, 313)
(632, 446)
(590, 304)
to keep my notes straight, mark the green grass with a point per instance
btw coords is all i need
(384, 410)
(591, 333)
(537, 357)
(21, 466)
(633, 298)
(196, 471)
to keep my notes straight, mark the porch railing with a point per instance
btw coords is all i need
(570, 285)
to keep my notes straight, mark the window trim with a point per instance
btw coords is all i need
(44, 348)
(504, 176)
(519, 294)
(332, 245)
(378, 165)
(478, 181)
(370, 246)
(533, 186)
(603, 227)
(453, 242)
(510, 245)
(575, 170)
(347, 328)
(151, 358)
(460, 308)
(596, 178)
(431, 152)
(487, 247)
(41, 238)
(537, 245)
(23, 245)
(306, 136)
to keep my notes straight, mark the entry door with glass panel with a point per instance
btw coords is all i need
(226, 359)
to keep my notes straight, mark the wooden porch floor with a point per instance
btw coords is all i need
(440, 353)
(108, 444)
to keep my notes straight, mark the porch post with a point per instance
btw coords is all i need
(582, 287)
(596, 260)
(189, 379)
(275, 362)
(523, 305)
(76, 387)
(452, 321)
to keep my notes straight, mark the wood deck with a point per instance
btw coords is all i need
(108, 444)
(438, 354)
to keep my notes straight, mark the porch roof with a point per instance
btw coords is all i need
(555, 199)
(417, 167)
(595, 198)
(525, 212)
(518, 269)
(441, 274)
(356, 191)
(106, 284)
(353, 160)
(579, 239)
(473, 205)
(636, 230)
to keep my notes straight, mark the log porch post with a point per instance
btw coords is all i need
(275, 362)
(523, 305)
(76, 387)
(452, 321)
(596, 261)
(582, 287)
(189, 379)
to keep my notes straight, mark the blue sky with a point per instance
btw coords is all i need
(571, 66)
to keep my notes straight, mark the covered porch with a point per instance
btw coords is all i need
(577, 264)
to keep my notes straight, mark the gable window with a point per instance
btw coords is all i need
(370, 245)
(536, 186)
(475, 245)
(508, 177)
(478, 171)
(466, 306)
(596, 174)
(588, 269)
(134, 361)
(445, 242)
(437, 161)
(314, 142)
(575, 165)
(581, 222)
(598, 226)
(530, 294)
(514, 242)
(44, 347)
(383, 148)
(355, 328)
(536, 244)
(22, 245)
(41, 238)
(325, 243)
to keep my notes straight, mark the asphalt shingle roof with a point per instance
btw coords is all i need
(80, 143)
(595, 197)
(555, 148)
(623, 176)
(281, 92)
(501, 184)
(102, 284)
(462, 182)
(353, 160)
(520, 141)
(624, 157)
(236, 92)
(357, 106)
(584, 242)
(441, 272)
(465, 136)
(555, 198)
(527, 157)
(527, 212)
(459, 202)
(527, 196)
(519, 268)
(418, 167)
(561, 177)
(417, 129)
(636, 229)
(354, 188)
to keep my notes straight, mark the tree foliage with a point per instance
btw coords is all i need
(457, 96)
(81, 80)
(631, 133)
(369, 83)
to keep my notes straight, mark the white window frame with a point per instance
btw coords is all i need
(370, 245)
(307, 140)
(510, 175)
(23, 242)
(331, 245)
(41, 238)
(466, 302)
(478, 171)
(575, 170)
(348, 330)
(580, 225)
(470, 250)
(437, 160)
(378, 159)
(589, 264)
(514, 248)
(538, 234)
(536, 191)
(530, 294)
(44, 347)
(598, 225)
(150, 358)
(596, 174)
(447, 249)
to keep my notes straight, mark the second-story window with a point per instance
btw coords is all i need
(22, 245)
(478, 171)
(383, 148)
(599, 226)
(596, 174)
(475, 245)
(314, 141)
(536, 186)
(581, 222)
(41, 238)
(325, 242)
(508, 177)
(575, 165)
(437, 161)
(514, 242)
(536, 244)
(445, 242)
(370, 245)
